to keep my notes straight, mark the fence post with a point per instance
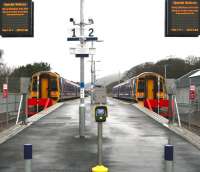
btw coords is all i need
(177, 111)
(7, 114)
(15, 102)
(170, 111)
(19, 109)
(24, 115)
(190, 114)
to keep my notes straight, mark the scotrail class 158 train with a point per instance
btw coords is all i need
(147, 85)
(49, 87)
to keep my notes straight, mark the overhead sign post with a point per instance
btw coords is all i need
(182, 18)
(82, 52)
(16, 18)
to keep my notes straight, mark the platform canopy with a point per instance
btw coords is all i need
(195, 74)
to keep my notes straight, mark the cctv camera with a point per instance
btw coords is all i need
(91, 21)
(71, 20)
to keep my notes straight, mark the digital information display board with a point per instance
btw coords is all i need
(182, 18)
(16, 18)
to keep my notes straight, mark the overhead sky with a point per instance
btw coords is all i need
(133, 33)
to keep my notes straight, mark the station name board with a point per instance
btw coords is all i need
(16, 18)
(182, 18)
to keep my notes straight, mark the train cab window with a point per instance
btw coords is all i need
(141, 87)
(34, 86)
(161, 86)
(54, 85)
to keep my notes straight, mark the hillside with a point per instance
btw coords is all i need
(175, 68)
(107, 80)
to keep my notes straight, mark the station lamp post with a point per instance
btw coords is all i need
(93, 72)
(96, 61)
(93, 77)
(165, 66)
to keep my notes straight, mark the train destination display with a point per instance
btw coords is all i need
(16, 18)
(182, 18)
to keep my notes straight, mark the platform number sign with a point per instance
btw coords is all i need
(90, 32)
(73, 32)
(182, 18)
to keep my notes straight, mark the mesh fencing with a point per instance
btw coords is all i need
(9, 105)
(190, 110)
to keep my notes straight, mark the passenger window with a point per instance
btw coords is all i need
(134, 87)
(54, 85)
(34, 86)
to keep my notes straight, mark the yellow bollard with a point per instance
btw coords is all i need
(99, 168)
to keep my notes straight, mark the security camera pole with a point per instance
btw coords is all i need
(82, 53)
(82, 85)
(92, 77)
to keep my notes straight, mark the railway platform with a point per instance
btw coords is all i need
(132, 142)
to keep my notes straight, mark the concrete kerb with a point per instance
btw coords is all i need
(7, 134)
(184, 133)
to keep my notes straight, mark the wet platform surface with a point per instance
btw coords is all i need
(132, 143)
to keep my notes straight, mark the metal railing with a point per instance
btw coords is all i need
(8, 109)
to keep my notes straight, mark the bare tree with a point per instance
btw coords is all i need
(4, 69)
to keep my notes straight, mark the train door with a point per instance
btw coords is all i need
(44, 88)
(150, 89)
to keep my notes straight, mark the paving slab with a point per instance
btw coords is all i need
(132, 143)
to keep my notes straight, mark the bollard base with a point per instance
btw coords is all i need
(99, 168)
(169, 166)
(82, 120)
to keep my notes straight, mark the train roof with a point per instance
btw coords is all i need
(71, 82)
(144, 74)
(149, 74)
(46, 72)
(56, 75)
(123, 83)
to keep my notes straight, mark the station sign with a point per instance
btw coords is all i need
(182, 18)
(192, 92)
(5, 90)
(82, 93)
(16, 18)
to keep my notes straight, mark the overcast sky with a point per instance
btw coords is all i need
(133, 33)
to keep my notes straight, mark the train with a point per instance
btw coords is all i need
(147, 88)
(47, 88)
(147, 85)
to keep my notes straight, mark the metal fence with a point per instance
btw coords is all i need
(13, 84)
(185, 104)
(8, 109)
(9, 105)
(190, 110)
